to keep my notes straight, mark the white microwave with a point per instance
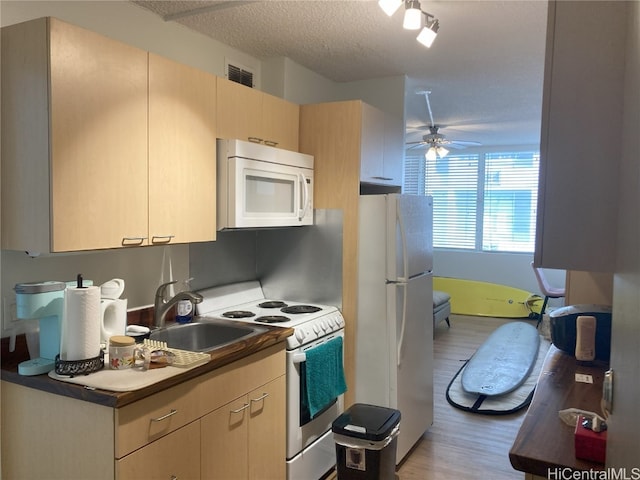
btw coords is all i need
(262, 186)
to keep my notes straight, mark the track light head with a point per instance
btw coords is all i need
(429, 33)
(412, 15)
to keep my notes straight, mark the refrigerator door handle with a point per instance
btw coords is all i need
(403, 322)
(403, 242)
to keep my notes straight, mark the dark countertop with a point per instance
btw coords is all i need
(544, 442)
(219, 358)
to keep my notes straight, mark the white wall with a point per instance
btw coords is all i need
(511, 269)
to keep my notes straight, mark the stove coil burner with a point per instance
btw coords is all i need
(238, 314)
(272, 319)
(272, 304)
(294, 309)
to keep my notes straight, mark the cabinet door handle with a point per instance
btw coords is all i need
(244, 407)
(164, 417)
(270, 143)
(173, 477)
(255, 139)
(162, 238)
(382, 178)
(133, 241)
(261, 397)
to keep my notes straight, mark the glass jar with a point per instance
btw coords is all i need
(121, 352)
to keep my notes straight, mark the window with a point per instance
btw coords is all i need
(483, 202)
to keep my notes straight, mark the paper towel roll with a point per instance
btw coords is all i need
(81, 324)
(114, 318)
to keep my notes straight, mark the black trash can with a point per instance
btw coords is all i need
(366, 440)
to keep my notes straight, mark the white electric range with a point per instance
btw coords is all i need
(310, 445)
(245, 302)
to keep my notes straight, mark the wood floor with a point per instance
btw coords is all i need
(462, 445)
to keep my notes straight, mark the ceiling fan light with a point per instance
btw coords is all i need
(390, 6)
(428, 34)
(431, 154)
(442, 152)
(412, 16)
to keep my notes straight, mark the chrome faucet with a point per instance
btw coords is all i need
(162, 306)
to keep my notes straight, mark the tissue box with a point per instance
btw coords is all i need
(590, 445)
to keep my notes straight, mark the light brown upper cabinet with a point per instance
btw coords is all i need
(74, 141)
(75, 147)
(580, 143)
(182, 153)
(249, 114)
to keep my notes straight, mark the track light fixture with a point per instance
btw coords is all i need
(413, 19)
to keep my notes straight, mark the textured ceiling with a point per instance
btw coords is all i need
(484, 69)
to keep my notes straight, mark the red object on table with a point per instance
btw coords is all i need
(590, 445)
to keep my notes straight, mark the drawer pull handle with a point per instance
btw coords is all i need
(255, 139)
(261, 397)
(164, 417)
(270, 143)
(244, 407)
(173, 477)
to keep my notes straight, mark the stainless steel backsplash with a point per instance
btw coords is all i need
(296, 263)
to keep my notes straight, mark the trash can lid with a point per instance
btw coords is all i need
(365, 421)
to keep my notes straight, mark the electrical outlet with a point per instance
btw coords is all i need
(9, 313)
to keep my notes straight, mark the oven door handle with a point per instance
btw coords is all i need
(299, 357)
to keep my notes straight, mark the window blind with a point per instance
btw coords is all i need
(482, 202)
(510, 201)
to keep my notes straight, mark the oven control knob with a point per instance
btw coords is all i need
(299, 334)
(316, 329)
(324, 325)
(331, 321)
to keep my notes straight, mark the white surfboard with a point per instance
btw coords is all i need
(503, 362)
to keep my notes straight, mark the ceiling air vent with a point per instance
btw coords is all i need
(241, 75)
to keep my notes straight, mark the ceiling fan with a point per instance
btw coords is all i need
(434, 140)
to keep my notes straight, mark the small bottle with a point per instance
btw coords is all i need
(184, 308)
(184, 311)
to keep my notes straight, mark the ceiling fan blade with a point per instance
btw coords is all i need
(412, 145)
(465, 143)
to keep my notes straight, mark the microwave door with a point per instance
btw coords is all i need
(266, 194)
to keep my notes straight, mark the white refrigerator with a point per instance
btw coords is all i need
(394, 332)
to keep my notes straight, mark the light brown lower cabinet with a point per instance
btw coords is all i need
(241, 439)
(183, 432)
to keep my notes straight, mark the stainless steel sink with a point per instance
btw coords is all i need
(205, 335)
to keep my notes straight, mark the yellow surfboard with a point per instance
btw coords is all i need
(484, 299)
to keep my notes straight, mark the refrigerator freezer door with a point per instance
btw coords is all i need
(413, 363)
(409, 236)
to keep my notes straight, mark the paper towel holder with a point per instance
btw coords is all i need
(72, 368)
